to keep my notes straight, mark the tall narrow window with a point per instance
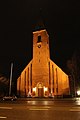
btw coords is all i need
(53, 73)
(19, 85)
(31, 75)
(53, 90)
(52, 84)
(28, 79)
(57, 90)
(56, 80)
(39, 39)
(49, 79)
(39, 42)
(56, 76)
(25, 83)
(49, 75)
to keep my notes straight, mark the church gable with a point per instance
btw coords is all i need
(59, 77)
(42, 77)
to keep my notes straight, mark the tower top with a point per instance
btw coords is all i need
(40, 21)
(39, 25)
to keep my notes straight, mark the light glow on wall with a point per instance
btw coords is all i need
(34, 89)
(45, 89)
(78, 92)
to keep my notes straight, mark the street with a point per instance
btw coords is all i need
(40, 109)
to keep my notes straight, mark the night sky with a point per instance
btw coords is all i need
(18, 18)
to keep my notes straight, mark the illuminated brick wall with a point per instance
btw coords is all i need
(42, 77)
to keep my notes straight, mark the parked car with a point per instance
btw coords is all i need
(12, 98)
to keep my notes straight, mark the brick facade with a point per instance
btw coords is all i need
(42, 77)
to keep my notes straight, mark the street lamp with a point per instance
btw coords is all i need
(10, 79)
(78, 92)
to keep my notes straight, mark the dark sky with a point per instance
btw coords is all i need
(61, 19)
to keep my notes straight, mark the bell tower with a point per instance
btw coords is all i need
(41, 55)
(41, 46)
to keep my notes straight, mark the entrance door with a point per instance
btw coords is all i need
(40, 92)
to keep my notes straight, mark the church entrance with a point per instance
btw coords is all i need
(40, 90)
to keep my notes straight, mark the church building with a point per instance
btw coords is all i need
(42, 77)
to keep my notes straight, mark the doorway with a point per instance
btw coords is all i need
(40, 90)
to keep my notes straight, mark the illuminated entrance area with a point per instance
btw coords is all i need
(40, 90)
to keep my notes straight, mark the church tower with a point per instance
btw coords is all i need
(40, 65)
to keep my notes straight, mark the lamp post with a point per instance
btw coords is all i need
(10, 79)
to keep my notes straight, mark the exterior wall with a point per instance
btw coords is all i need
(59, 80)
(42, 77)
(24, 81)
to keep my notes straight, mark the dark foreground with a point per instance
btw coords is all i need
(40, 109)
